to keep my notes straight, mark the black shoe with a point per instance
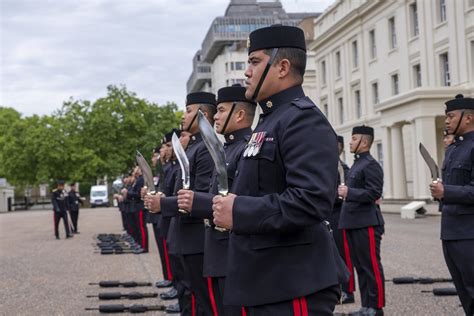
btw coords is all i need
(57, 237)
(69, 236)
(347, 298)
(373, 312)
(163, 284)
(138, 251)
(173, 309)
(76, 232)
(170, 295)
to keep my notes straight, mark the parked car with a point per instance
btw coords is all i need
(99, 196)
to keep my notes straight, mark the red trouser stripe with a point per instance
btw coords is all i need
(244, 312)
(142, 230)
(347, 255)
(296, 307)
(304, 306)
(167, 261)
(375, 267)
(211, 296)
(193, 305)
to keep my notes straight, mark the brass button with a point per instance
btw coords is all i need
(269, 104)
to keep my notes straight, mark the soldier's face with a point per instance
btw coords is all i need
(256, 65)
(448, 140)
(184, 139)
(167, 151)
(355, 140)
(154, 158)
(452, 121)
(188, 117)
(221, 115)
(61, 186)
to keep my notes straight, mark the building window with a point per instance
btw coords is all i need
(414, 19)
(375, 93)
(338, 64)
(326, 110)
(227, 83)
(380, 153)
(417, 75)
(355, 55)
(471, 3)
(358, 106)
(226, 67)
(239, 65)
(341, 110)
(395, 88)
(232, 66)
(373, 45)
(442, 10)
(323, 72)
(393, 33)
(444, 63)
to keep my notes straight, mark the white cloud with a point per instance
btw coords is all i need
(52, 50)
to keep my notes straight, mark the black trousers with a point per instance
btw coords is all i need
(57, 218)
(365, 254)
(74, 218)
(182, 285)
(459, 257)
(321, 303)
(340, 237)
(193, 271)
(163, 252)
(124, 220)
(139, 229)
(216, 288)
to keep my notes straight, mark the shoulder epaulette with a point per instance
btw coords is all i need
(303, 103)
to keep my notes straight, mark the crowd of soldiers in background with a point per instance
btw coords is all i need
(66, 207)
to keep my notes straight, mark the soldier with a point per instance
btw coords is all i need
(233, 119)
(191, 229)
(447, 139)
(362, 220)
(282, 258)
(140, 231)
(74, 199)
(59, 200)
(456, 193)
(340, 234)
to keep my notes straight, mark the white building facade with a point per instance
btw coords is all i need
(392, 65)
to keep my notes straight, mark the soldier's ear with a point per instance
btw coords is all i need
(284, 67)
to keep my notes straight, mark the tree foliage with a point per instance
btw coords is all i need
(83, 140)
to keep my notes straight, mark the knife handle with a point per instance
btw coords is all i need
(221, 229)
(185, 187)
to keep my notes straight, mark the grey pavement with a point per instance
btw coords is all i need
(43, 276)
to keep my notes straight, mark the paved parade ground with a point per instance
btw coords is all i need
(43, 276)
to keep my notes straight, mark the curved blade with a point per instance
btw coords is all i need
(434, 170)
(182, 159)
(342, 176)
(146, 171)
(215, 148)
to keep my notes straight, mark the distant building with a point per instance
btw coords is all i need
(222, 59)
(7, 196)
(392, 65)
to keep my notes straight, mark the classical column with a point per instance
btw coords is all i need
(398, 163)
(424, 132)
(387, 162)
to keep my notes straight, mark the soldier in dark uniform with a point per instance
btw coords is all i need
(362, 220)
(233, 119)
(282, 257)
(456, 193)
(136, 207)
(60, 206)
(191, 229)
(340, 235)
(74, 200)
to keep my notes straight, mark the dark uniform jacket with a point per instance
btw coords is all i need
(191, 230)
(173, 184)
(280, 248)
(59, 200)
(134, 195)
(457, 221)
(216, 242)
(73, 200)
(155, 218)
(365, 186)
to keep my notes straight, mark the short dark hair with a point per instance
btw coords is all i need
(248, 108)
(369, 138)
(210, 109)
(296, 56)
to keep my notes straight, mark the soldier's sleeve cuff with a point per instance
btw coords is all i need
(245, 217)
(457, 194)
(169, 206)
(202, 205)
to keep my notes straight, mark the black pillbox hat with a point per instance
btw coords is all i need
(459, 103)
(201, 98)
(340, 139)
(235, 93)
(364, 130)
(276, 36)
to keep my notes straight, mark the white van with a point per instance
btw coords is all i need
(99, 195)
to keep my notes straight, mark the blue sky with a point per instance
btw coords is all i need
(51, 50)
